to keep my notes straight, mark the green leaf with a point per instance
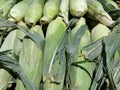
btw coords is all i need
(72, 22)
(36, 37)
(110, 49)
(93, 50)
(98, 77)
(58, 60)
(106, 5)
(74, 44)
(115, 14)
(116, 72)
(13, 65)
(6, 23)
(72, 47)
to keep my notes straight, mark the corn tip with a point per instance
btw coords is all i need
(44, 20)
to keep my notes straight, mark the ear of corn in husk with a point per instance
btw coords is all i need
(64, 10)
(19, 38)
(113, 3)
(34, 12)
(2, 2)
(6, 7)
(108, 5)
(96, 10)
(11, 42)
(50, 11)
(18, 10)
(54, 70)
(31, 60)
(99, 31)
(50, 84)
(78, 76)
(6, 78)
(78, 8)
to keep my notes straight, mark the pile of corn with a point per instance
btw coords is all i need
(69, 49)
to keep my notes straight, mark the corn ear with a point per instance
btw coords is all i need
(18, 10)
(78, 8)
(34, 13)
(53, 70)
(108, 5)
(56, 27)
(79, 23)
(96, 10)
(50, 11)
(99, 31)
(6, 7)
(2, 2)
(19, 38)
(78, 76)
(11, 42)
(64, 10)
(58, 84)
(113, 3)
(31, 60)
(6, 78)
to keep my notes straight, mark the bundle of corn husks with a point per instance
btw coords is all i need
(59, 45)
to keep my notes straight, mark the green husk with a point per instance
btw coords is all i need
(18, 10)
(96, 10)
(64, 10)
(54, 68)
(113, 3)
(31, 60)
(6, 78)
(99, 31)
(11, 42)
(2, 2)
(50, 11)
(19, 38)
(108, 5)
(34, 12)
(78, 8)
(78, 76)
(6, 7)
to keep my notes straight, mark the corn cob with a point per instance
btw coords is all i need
(78, 8)
(64, 10)
(96, 10)
(78, 76)
(34, 12)
(31, 60)
(99, 31)
(18, 11)
(50, 11)
(53, 71)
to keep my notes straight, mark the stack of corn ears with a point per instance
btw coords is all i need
(59, 45)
